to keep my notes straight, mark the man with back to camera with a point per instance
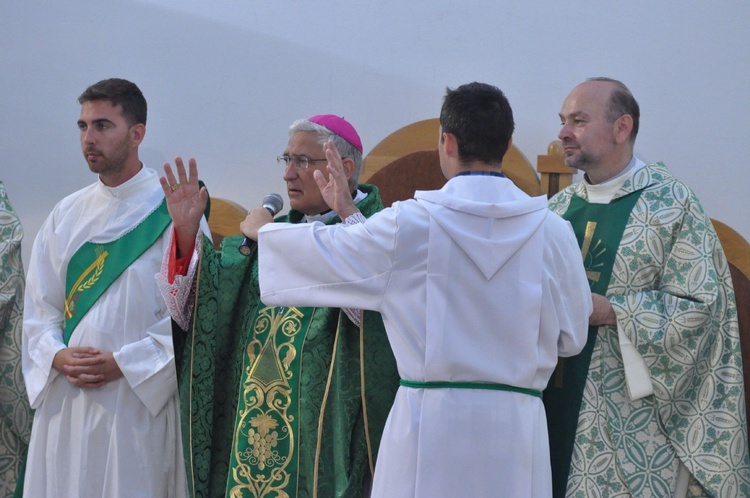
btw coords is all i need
(654, 405)
(98, 359)
(276, 401)
(481, 289)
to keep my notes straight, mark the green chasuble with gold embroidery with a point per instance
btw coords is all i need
(280, 402)
(672, 295)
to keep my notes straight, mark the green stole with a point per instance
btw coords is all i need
(599, 229)
(263, 460)
(94, 267)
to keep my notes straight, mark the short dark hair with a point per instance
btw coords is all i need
(119, 92)
(621, 101)
(480, 117)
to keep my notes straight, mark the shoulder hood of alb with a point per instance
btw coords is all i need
(489, 218)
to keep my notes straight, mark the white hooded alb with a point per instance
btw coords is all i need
(476, 282)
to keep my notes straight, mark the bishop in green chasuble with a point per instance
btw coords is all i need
(672, 295)
(279, 402)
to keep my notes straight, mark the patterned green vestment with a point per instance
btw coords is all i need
(15, 413)
(672, 294)
(286, 402)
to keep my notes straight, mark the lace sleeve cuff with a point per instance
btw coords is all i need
(355, 219)
(179, 296)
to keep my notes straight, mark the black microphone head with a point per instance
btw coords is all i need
(274, 203)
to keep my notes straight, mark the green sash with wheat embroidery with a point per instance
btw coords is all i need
(94, 267)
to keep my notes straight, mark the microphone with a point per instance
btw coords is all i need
(272, 202)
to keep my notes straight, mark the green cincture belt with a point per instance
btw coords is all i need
(469, 385)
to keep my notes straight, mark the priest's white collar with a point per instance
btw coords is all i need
(602, 193)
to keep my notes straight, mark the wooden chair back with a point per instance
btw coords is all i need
(224, 219)
(737, 250)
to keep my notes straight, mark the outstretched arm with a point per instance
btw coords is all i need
(186, 201)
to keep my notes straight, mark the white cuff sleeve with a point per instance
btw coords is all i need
(637, 378)
(148, 366)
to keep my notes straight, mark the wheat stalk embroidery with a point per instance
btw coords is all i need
(97, 267)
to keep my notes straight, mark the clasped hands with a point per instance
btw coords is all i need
(86, 367)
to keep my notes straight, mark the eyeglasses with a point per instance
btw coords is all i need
(300, 162)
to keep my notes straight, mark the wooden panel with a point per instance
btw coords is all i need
(405, 175)
(735, 246)
(224, 219)
(737, 250)
(742, 294)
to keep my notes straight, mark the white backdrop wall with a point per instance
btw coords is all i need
(225, 78)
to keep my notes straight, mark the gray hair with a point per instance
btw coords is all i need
(345, 149)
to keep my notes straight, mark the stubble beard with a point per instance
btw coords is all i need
(108, 165)
(581, 160)
(578, 162)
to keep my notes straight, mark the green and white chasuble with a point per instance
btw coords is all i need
(672, 295)
(15, 412)
(279, 402)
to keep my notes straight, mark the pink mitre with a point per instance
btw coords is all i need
(340, 127)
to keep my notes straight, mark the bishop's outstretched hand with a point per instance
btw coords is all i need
(186, 201)
(335, 188)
